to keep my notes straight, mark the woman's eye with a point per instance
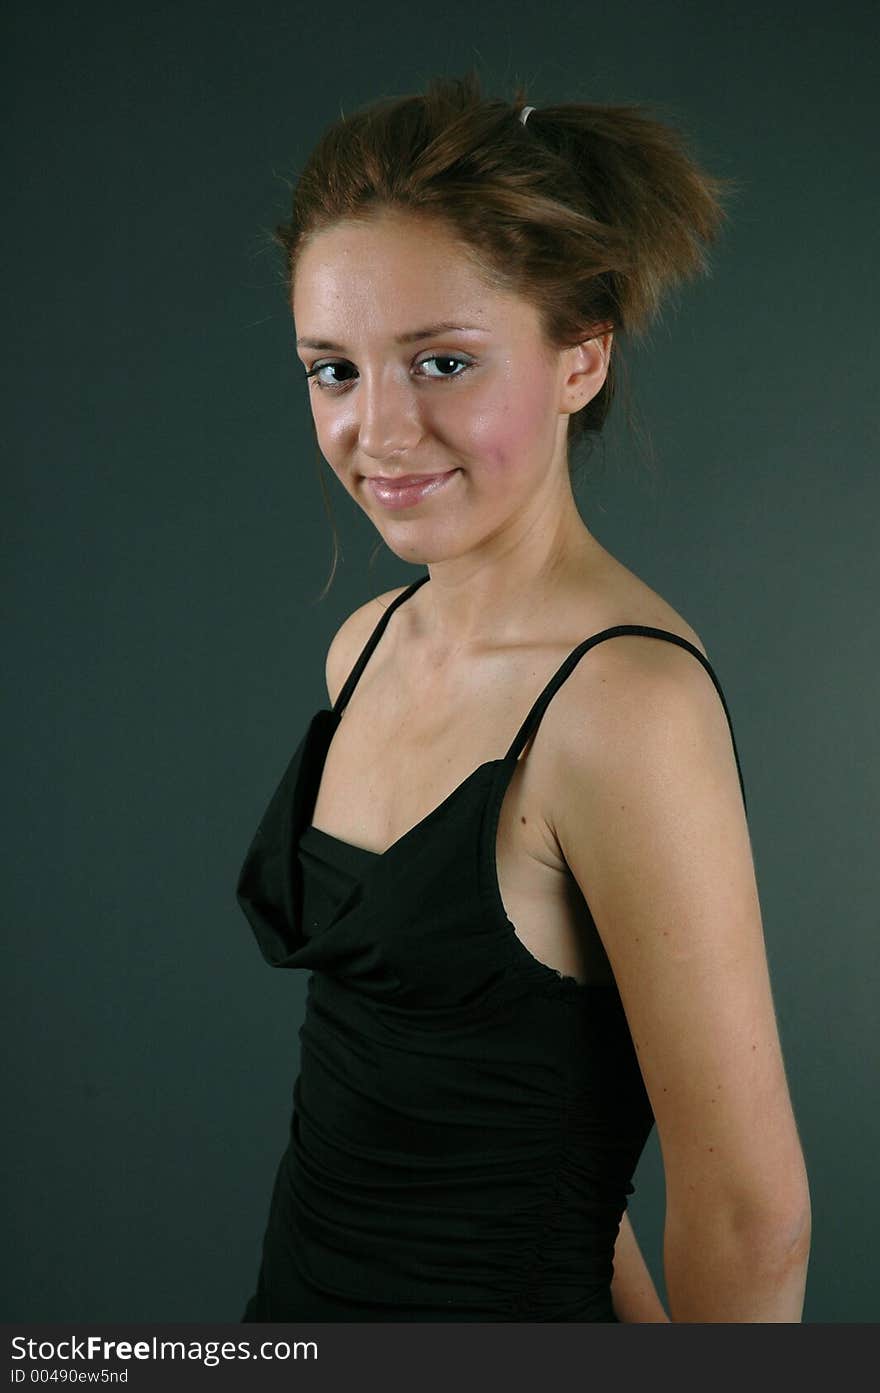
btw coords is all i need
(448, 358)
(322, 367)
(444, 359)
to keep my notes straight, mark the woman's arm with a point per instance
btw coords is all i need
(633, 1293)
(651, 822)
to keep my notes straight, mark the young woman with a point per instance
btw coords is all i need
(512, 853)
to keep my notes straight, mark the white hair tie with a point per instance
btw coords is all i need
(525, 113)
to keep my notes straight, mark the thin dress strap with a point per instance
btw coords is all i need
(352, 679)
(567, 666)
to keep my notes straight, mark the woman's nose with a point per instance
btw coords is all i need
(388, 416)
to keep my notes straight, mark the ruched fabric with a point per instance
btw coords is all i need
(466, 1120)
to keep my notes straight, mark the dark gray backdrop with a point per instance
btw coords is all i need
(165, 542)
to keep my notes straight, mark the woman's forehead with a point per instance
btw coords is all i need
(359, 276)
(411, 256)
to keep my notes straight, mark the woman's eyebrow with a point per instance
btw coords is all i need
(411, 336)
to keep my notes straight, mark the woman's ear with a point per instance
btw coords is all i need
(587, 369)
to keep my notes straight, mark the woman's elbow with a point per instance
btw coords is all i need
(736, 1263)
(778, 1221)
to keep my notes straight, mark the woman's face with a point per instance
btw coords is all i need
(480, 405)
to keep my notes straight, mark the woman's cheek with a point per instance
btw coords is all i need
(330, 443)
(503, 435)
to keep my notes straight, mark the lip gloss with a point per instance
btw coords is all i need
(405, 495)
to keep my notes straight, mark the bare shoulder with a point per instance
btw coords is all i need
(649, 817)
(625, 676)
(645, 744)
(349, 639)
(624, 691)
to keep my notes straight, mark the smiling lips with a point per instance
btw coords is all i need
(403, 492)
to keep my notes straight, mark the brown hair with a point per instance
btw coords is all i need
(591, 212)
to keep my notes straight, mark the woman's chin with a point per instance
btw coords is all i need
(417, 542)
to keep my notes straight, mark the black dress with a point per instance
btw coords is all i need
(466, 1119)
